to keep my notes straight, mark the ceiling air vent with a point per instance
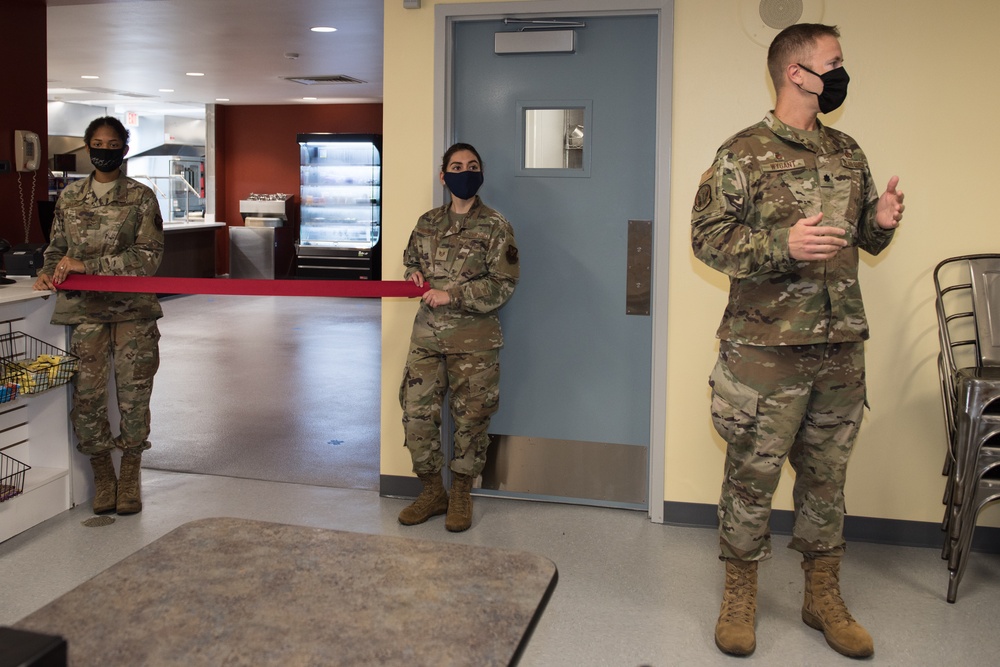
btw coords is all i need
(329, 78)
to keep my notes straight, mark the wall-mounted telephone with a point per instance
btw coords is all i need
(27, 150)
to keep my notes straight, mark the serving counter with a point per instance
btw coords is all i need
(189, 249)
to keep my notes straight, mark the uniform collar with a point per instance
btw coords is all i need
(789, 133)
(89, 187)
(463, 223)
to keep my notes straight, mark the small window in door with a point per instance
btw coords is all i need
(554, 138)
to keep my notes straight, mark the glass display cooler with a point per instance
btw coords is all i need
(340, 207)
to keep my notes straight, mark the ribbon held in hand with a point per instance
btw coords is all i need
(372, 289)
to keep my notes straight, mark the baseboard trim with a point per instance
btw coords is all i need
(896, 532)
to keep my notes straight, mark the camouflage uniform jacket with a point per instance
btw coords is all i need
(763, 181)
(120, 234)
(476, 263)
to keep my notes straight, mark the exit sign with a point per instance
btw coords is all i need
(131, 119)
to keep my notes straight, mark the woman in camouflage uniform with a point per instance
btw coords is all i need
(108, 224)
(466, 252)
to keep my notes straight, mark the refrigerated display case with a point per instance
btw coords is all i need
(340, 207)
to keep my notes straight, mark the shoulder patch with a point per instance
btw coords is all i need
(511, 254)
(703, 198)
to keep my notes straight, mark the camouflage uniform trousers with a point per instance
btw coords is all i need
(133, 347)
(473, 379)
(802, 403)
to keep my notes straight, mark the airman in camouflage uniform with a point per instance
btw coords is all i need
(455, 345)
(783, 212)
(119, 232)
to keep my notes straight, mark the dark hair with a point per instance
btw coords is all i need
(105, 121)
(459, 147)
(793, 44)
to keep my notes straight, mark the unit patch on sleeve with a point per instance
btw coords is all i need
(511, 254)
(703, 198)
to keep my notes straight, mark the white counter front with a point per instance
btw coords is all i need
(34, 428)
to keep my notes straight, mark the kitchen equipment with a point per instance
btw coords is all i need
(263, 247)
(178, 181)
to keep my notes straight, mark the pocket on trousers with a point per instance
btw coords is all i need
(484, 388)
(402, 387)
(734, 405)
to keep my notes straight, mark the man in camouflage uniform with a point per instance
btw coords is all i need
(108, 224)
(466, 252)
(783, 212)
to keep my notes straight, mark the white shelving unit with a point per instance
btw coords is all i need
(34, 428)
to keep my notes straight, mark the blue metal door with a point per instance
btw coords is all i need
(574, 419)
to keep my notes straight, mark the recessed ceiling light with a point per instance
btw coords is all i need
(323, 28)
(221, 99)
(195, 73)
(89, 76)
(309, 98)
(166, 90)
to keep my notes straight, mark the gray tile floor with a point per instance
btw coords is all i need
(630, 592)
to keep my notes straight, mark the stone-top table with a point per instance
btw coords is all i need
(238, 592)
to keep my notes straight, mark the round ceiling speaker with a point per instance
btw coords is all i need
(763, 19)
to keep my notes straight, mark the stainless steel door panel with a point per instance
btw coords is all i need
(251, 252)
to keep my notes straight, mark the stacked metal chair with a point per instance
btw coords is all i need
(968, 312)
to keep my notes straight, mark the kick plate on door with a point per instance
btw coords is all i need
(640, 267)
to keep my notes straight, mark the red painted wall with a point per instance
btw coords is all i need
(256, 151)
(24, 78)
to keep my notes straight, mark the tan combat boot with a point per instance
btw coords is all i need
(460, 505)
(432, 501)
(105, 497)
(129, 495)
(734, 633)
(824, 609)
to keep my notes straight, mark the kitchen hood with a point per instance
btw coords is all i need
(178, 150)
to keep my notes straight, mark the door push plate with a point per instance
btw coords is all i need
(639, 270)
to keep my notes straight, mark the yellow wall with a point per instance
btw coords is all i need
(921, 104)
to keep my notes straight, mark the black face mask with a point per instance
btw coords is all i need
(107, 159)
(463, 184)
(834, 88)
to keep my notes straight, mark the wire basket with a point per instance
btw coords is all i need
(11, 477)
(32, 365)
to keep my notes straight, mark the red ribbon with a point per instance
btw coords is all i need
(237, 286)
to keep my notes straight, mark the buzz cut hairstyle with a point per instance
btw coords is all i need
(792, 45)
